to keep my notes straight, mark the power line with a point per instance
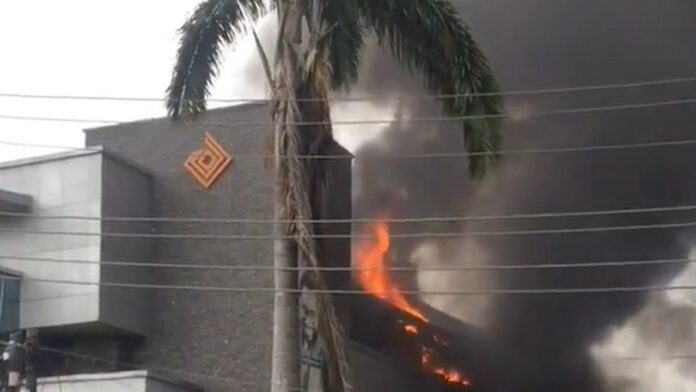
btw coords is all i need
(353, 236)
(270, 290)
(668, 143)
(676, 357)
(557, 90)
(441, 219)
(461, 268)
(434, 119)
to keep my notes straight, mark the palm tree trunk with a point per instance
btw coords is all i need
(302, 126)
(286, 346)
(286, 331)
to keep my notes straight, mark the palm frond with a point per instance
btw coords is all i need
(264, 59)
(213, 24)
(430, 39)
(344, 40)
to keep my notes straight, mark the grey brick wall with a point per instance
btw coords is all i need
(227, 335)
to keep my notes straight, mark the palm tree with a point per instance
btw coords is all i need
(319, 49)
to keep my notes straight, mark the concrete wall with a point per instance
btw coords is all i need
(66, 184)
(74, 184)
(126, 192)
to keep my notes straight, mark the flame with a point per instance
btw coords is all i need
(372, 275)
(451, 376)
(412, 329)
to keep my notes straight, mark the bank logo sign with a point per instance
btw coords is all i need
(209, 163)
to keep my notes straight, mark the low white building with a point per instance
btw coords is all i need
(131, 381)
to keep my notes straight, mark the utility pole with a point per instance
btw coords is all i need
(32, 342)
(15, 355)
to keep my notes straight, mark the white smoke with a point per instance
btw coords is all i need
(471, 309)
(644, 354)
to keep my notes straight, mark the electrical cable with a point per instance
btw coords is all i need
(459, 268)
(255, 237)
(442, 219)
(558, 90)
(434, 119)
(668, 143)
(271, 290)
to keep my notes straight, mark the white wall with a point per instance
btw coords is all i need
(67, 185)
(131, 381)
(84, 184)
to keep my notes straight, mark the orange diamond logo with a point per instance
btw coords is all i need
(207, 164)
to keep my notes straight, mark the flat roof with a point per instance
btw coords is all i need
(75, 153)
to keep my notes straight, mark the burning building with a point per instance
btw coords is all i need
(97, 227)
(446, 349)
(402, 342)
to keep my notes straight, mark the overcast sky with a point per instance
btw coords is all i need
(82, 47)
(86, 47)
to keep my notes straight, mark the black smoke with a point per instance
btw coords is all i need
(543, 342)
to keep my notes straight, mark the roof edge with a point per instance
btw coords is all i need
(112, 376)
(165, 118)
(50, 157)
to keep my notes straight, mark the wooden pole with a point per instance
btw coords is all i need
(31, 345)
(15, 361)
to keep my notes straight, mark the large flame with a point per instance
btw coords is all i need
(372, 275)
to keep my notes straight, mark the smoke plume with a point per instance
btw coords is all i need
(545, 342)
(569, 343)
